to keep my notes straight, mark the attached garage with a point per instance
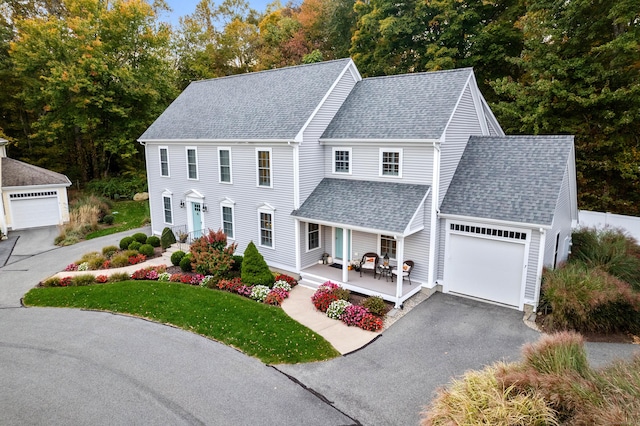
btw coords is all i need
(486, 262)
(32, 209)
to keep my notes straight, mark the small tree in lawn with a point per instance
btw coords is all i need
(254, 269)
(210, 255)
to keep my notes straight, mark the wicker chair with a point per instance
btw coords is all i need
(369, 262)
(407, 266)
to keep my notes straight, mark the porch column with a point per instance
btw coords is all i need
(345, 255)
(400, 260)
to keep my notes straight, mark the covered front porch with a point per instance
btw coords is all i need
(367, 284)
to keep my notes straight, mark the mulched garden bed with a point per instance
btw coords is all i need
(596, 337)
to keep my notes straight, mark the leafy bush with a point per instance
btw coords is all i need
(124, 243)
(353, 315)
(259, 292)
(135, 245)
(176, 257)
(586, 300)
(153, 241)
(108, 219)
(108, 251)
(185, 263)
(83, 280)
(140, 237)
(237, 263)
(115, 187)
(342, 293)
(375, 305)
(254, 269)
(167, 238)
(211, 256)
(336, 308)
(147, 250)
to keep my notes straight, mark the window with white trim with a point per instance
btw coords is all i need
(266, 228)
(224, 162)
(167, 208)
(164, 161)
(388, 246)
(192, 163)
(227, 220)
(263, 158)
(341, 160)
(390, 162)
(313, 236)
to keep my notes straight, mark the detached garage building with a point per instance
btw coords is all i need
(31, 196)
(507, 214)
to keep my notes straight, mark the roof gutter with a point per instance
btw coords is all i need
(225, 141)
(352, 227)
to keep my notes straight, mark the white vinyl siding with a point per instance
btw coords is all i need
(342, 160)
(164, 161)
(390, 162)
(167, 209)
(313, 236)
(561, 225)
(224, 165)
(263, 165)
(192, 163)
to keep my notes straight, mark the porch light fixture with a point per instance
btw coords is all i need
(386, 259)
(205, 208)
(182, 204)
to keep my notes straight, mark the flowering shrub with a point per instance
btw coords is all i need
(185, 279)
(276, 296)
(65, 281)
(176, 278)
(245, 290)
(211, 255)
(259, 292)
(84, 266)
(323, 297)
(284, 285)
(230, 285)
(206, 280)
(336, 308)
(106, 264)
(138, 258)
(164, 277)
(140, 274)
(196, 279)
(371, 322)
(290, 280)
(102, 279)
(353, 315)
(71, 267)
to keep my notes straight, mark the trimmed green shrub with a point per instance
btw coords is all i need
(83, 280)
(124, 243)
(108, 219)
(254, 269)
(185, 263)
(140, 237)
(108, 251)
(153, 241)
(237, 263)
(176, 257)
(167, 238)
(375, 305)
(147, 250)
(135, 245)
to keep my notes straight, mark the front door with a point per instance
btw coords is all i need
(196, 215)
(339, 243)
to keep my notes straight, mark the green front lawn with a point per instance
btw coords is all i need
(259, 330)
(127, 215)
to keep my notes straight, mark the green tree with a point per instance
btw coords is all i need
(254, 270)
(91, 82)
(580, 74)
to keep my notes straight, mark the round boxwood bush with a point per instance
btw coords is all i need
(176, 257)
(140, 237)
(153, 241)
(185, 263)
(135, 245)
(124, 243)
(108, 219)
(147, 250)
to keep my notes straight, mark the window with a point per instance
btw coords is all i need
(313, 236)
(264, 167)
(266, 229)
(224, 159)
(168, 212)
(192, 163)
(164, 161)
(227, 221)
(342, 160)
(388, 246)
(390, 162)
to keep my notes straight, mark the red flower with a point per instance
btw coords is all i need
(102, 279)
(371, 322)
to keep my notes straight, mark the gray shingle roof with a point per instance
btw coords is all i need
(408, 106)
(17, 173)
(367, 204)
(512, 178)
(272, 104)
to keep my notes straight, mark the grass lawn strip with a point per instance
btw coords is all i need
(259, 330)
(131, 215)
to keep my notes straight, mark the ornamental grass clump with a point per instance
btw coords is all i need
(336, 308)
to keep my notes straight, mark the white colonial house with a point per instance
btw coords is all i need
(314, 161)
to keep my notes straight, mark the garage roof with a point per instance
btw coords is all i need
(510, 178)
(17, 173)
(383, 206)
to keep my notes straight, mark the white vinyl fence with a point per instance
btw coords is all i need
(631, 224)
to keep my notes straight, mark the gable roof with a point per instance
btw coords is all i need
(364, 204)
(273, 104)
(510, 178)
(17, 173)
(407, 106)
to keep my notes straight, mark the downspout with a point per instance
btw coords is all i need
(435, 198)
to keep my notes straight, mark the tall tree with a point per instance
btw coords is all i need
(91, 83)
(580, 74)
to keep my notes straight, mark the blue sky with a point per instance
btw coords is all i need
(186, 7)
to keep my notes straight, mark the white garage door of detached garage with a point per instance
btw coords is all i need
(486, 262)
(32, 209)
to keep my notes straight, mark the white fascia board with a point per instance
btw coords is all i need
(385, 142)
(415, 213)
(35, 187)
(300, 134)
(216, 141)
(351, 227)
(494, 221)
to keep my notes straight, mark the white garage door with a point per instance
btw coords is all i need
(32, 209)
(486, 263)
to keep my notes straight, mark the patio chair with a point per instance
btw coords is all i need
(369, 262)
(407, 266)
